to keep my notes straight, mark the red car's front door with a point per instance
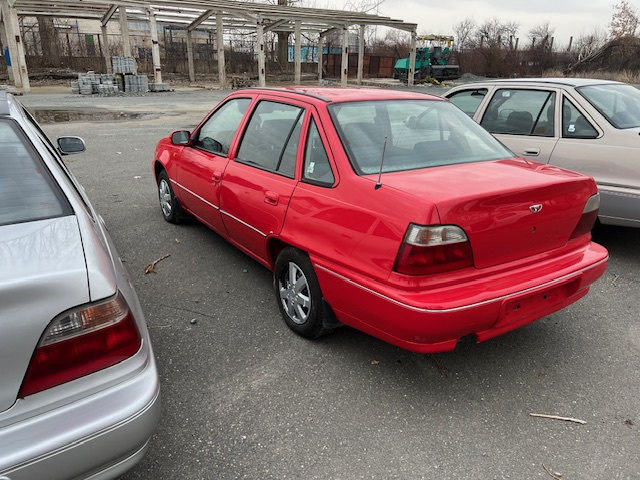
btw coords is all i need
(202, 164)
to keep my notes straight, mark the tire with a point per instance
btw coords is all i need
(168, 204)
(298, 294)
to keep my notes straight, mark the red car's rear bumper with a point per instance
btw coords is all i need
(434, 319)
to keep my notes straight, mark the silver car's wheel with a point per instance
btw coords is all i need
(298, 294)
(168, 203)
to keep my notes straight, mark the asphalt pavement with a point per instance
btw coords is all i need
(245, 398)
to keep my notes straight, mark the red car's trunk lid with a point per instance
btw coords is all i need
(510, 209)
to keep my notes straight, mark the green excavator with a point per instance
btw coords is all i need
(432, 61)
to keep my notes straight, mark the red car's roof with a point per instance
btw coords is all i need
(342, 94)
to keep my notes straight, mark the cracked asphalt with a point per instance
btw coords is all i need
(245, 398)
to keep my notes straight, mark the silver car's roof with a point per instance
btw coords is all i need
(560, 81)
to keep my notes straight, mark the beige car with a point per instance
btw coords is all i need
(591, 126)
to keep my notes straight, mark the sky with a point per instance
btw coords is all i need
(567, 17)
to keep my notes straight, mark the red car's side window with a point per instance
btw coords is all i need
(272, 136)
(217, 133)
(317, 168)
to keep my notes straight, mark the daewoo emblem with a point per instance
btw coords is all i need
(535, 208)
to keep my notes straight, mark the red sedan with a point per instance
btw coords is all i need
(389, 211)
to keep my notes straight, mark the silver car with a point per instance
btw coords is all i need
(79, 390)
(591, 126)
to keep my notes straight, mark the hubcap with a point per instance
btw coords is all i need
(295, 294)
(165, 198)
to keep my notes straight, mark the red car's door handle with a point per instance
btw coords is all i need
(216, 177)
(271, 198)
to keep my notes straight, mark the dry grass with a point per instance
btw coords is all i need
(625, 76)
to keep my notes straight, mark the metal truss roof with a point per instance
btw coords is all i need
(197, 13)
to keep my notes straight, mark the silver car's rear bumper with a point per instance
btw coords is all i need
(97, 437)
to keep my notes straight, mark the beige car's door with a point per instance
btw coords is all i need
(607, 154)
(525, 119)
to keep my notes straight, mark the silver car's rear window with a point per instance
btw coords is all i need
(618, 103)
(27, 190)
(413, 134)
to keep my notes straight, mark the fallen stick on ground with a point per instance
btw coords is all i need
(556, 417)
(151, 267)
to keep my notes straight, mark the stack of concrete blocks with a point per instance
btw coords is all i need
(136, 84)
(124, 65)
(90, 83)
(126, 71)
(159, 87)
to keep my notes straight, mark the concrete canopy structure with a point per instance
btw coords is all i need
(218, 15)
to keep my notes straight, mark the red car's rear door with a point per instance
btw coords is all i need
(258, 183)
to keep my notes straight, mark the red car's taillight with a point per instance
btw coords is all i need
(82, 342)
(588, 218)
(433, 249)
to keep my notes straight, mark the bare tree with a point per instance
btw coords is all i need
(540, 36)
(463, 31)
(588, 44)
(491, 41)
(624, 21)
(48, 41)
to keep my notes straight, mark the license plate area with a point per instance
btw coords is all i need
(536, 304)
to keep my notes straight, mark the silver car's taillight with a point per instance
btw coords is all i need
(81, 342)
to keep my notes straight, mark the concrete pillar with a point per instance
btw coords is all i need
(360, 54)
(262, 80)
(5, 34)
(320, 49)
(297, 53)
(222, 75)
(124, 28)
(105, 50)
(16, 48)
(344, 73)
(412, 60)
(192, 70)
(155, 48)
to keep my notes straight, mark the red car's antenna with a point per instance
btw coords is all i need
(384, 148)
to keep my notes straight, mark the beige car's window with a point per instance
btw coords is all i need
(574, 124)
(469, 100)
(521, 112)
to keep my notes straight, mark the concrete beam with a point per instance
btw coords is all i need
(155, 48)
(107, 16)
(105, 49)
(124, 27)
(16, 48)
(222, 75)
(262, 74)
(202, 18)
(360, 54)
(320, 49)
(412, 60)
(297, 53)
(192, 71)
(344, 72)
